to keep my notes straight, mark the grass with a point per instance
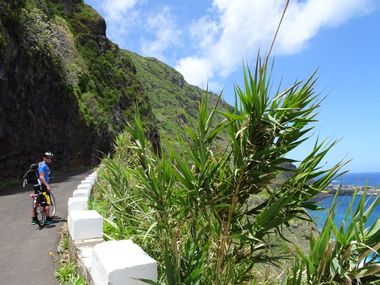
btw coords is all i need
(66, 275)
(66, 271)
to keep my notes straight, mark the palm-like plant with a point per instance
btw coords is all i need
(206, 215)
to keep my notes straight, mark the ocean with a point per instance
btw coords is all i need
(353, 178)
(343, 202)
(359, 179)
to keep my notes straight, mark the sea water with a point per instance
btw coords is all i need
(343, 201)
(342, 204)
(359, 179)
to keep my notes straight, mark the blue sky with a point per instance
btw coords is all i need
(207, 40)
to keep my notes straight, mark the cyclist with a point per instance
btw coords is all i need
(43, 186)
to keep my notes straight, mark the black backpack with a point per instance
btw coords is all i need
(30, 176)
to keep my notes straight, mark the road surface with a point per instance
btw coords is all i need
(27, 252)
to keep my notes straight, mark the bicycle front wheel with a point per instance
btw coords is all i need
(52, 205)
(40, 215)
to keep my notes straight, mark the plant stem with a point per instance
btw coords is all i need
(226, 228)
(277, 30)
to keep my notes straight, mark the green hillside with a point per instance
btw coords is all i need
(171, 97)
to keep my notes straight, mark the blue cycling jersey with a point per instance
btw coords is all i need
(43, 168)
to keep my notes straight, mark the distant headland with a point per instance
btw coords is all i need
(347, 190)
(350, 189)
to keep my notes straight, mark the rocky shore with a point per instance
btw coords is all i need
(350, 189)
(347, 190)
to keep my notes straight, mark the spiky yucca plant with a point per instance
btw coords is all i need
(206, 216)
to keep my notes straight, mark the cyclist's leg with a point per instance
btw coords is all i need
(40, 211)
(34, 214)
(46, 200)
(47, 207)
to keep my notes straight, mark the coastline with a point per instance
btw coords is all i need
(342, 190)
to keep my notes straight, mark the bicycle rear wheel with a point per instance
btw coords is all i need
(40, 215)
(52, 205)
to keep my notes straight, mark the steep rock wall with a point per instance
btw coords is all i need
(39, 112)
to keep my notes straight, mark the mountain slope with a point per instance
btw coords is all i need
(171, 97)
(63, 85)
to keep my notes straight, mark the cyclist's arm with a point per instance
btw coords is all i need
(43, 181)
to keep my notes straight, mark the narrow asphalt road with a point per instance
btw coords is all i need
(27, 252)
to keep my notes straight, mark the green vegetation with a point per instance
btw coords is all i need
(170, 95)
(219, 206)
(47, 37)
(9, 16)
(109, 85)
(66, 275)
(66, 271)
(342, 255)
(108, 91)
(214, 217)
(94, 70)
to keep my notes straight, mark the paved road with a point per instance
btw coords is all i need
(25, 257)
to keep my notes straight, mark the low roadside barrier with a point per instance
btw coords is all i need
(103, 262)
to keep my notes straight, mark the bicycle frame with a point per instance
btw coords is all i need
(39, 210)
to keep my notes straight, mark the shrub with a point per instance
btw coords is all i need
(347, 254)
(206, 216)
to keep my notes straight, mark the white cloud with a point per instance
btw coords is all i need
(204, 32)
(122, 16)
(303, 21)
(229, 32)
(115, 9)
(196, 70)
(239, 28)
(166, 34)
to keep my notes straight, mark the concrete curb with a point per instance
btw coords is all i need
(103, 262)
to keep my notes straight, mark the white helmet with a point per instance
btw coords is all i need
(48, 154)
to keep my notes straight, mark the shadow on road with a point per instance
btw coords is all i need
(47, 227)
(57, 178)
(15, 189)
(58, 219)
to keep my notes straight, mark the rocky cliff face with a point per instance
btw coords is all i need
(64, 87)
(38, 113)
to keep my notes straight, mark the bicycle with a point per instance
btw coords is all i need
(40, 209)
(53, 207)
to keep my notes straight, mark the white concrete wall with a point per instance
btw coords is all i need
(111, 262)
(121, 262)
(85, 224)
(77, 203)
(82, 193)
